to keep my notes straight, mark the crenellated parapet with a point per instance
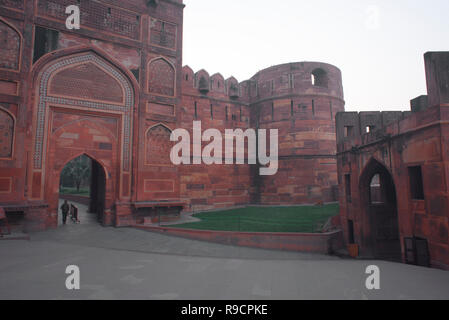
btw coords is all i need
(301, 78)
(215, 86)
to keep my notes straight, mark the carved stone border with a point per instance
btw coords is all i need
(44, 101)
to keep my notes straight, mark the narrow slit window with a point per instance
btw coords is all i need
(370, 129)
(351, 237)
(349, 131)
(348, 188)
(291, 81)
(416, 183)
(46, 40)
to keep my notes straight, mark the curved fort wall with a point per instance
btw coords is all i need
(301, 101)
(298, 99)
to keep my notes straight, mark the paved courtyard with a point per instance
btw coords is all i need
(134, 264)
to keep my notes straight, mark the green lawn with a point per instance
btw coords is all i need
(307, 219)
(73, 191)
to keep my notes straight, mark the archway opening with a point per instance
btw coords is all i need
(319, 78)
(380, 204)
(83, 186)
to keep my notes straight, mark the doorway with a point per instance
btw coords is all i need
(83, 184)
(379, 202)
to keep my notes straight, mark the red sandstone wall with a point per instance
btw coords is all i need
(417, 140)
(206, 187)
(304, 114)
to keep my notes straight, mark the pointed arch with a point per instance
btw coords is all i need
(90, 156)
(159, 124)
(100, 181)
(217, 82)
(380, 214)
(188, 75)
(161, 77)
(158, 145)
(373, 167)
(11, 53)
(44, 71)
(7, 133)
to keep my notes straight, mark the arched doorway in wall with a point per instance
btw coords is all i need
(379, 205)
(83, 185)
(83, 104)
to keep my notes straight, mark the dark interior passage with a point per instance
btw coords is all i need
(379, 199)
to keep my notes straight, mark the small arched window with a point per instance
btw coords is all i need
(161, 77)
(158, 146)
(6, 134)
(203, 86)
(319, 78)
(376, 190)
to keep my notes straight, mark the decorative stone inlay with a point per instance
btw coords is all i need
(45, 100)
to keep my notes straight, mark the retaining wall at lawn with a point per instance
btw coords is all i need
(324, 243)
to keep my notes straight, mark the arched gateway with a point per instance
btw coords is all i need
(83, 105)
(379, 203)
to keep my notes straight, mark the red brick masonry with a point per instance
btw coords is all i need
(323, 243)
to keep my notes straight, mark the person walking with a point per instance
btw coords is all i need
(65, 208)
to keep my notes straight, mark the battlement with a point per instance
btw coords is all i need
(303, 78)
(353, 124)
(354, 129)
(201, 82)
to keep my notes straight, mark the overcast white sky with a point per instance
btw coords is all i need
(378, 44)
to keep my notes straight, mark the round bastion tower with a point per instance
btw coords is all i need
(301, 101)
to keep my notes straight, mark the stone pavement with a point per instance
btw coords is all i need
(133, 264)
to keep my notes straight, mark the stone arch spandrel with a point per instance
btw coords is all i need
(87, 81)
